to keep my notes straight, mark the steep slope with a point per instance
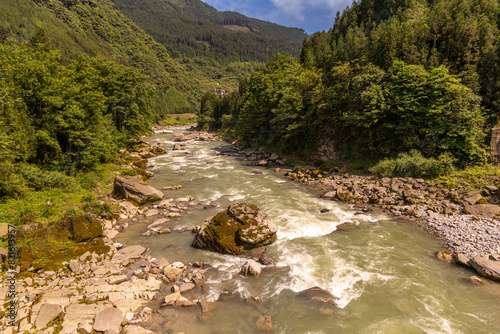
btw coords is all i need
(97, 28)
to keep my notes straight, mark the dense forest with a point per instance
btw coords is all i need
(390, 77)
(192, 28)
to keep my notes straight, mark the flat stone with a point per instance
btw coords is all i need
(4, 229)
(136, 330)
(187, 287)
(171, 273)
(118, 279)
(127, 253)
(484, 210)
(80, 315)
(329, 195)
(172, 298)
(152, 212)
(486, 267)
(47, 313)
(108, 319)
(160, 262)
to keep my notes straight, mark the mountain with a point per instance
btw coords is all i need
(191, 28)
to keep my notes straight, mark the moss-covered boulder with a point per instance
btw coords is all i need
(237, 230)
(85, 227)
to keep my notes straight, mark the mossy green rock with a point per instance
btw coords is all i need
(85, 227)
(236, 231)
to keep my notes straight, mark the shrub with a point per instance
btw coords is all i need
(39, 179)
(414, 164)
(129, 172)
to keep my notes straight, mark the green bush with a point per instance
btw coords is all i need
(414, 164)
(88, 181)
(39, 179)
(129, 172)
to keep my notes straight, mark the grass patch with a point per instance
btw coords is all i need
(178, 119)
(475, 177)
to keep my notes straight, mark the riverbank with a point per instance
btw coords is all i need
(463, 216)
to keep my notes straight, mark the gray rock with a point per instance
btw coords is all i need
(108, 319)
(329, 195)
(135, 190)
(118, 279)
(485, 267)
(74, 266)
(136, 330)
(485, 210)
(186, 287)
(251, 268)
(318, 294)
(127, 253)
(264, 323)
(47, 313)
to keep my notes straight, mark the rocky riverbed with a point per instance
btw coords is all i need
(125, 288)
(464, 219)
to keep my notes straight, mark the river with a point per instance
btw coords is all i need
(382, 271)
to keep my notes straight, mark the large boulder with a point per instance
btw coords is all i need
(486, 267)
(135, 190)
(236, 231)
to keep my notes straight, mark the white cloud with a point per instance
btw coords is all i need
(296, 8)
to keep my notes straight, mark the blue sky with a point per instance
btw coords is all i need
(311, 15)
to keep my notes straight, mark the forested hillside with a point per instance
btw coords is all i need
(224, 46)
(191, 28)
(390, 77)
(97, 28)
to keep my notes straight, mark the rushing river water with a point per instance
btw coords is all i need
(382, 271)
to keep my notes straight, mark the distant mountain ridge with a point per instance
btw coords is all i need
(191, 28)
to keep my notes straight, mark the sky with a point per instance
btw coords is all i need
(311, 15)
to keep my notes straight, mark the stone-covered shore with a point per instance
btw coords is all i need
(464, 219)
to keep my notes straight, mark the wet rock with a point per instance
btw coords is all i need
(445, 257)
(462, 259)
(264, 323)
(318, 294)
(329, 195)
(256, 252)
(171, 273)
(475, 280)
(486, 267)
(47, 313)
(235, 231)
(262, 163)
(266, 260)
(251, 268)
(108, 319)
(136, 330)
(324, 210)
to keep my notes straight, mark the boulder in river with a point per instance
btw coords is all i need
(136, 190)
(486, 267)
(237, 230)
